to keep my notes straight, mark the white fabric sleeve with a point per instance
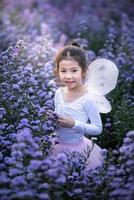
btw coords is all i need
(95, 125)
(56, 99)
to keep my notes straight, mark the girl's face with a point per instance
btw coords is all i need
(70, 73)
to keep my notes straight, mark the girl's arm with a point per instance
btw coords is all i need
(95, 126)
(56, 99)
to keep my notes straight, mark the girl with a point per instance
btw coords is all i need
(74, 108)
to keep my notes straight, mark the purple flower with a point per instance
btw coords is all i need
(44, 196)
(2, 112)
(61, 180)
(34, 164)
(62, 157)
(16, 87)
(130, 134)
(23, 194)
(52, 173)
(24, 135)
(14, 172)
(78, 191)
(30, 175)
(25, 110)
(19, 181)
(3, 126)
(4, 178)
(44, 186)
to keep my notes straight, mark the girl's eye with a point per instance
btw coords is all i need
(74, 70)
(62, 71)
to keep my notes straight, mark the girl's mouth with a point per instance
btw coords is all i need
(69, 81)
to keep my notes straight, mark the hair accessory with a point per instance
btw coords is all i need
(68, 54)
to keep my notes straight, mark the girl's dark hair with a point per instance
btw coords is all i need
(72, 51)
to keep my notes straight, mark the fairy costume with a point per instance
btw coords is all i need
(86, 112)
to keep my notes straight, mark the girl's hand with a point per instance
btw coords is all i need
(67, 122)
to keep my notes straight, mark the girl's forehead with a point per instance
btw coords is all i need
(68, 63)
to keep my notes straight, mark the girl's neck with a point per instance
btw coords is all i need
(79, 89)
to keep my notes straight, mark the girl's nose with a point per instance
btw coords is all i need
(68, 75)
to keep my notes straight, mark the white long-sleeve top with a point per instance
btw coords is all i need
(83, 110)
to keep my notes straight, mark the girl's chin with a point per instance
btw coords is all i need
(70, 84)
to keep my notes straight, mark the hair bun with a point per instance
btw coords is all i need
(74, 43)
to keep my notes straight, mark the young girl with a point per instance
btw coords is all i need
(77, 114)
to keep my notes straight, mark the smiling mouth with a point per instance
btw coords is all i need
(69, 81)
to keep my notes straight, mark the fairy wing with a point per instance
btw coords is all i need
(101, 78)
(102, 103)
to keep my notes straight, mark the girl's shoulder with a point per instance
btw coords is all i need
(58, 90)
(87, 99)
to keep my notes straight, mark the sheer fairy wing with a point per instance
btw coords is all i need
(102, 103)
(101, 79)
(102, 76)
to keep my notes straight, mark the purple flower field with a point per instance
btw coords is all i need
(31, 31)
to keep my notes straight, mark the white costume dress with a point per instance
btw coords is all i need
(73, 139)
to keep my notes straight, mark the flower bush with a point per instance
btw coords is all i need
(30, 34)
(25, 100)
